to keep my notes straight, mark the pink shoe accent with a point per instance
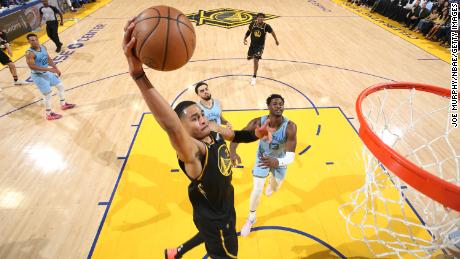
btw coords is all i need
(53, 116)
(67, 106)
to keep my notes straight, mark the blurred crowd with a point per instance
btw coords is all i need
(428, 17)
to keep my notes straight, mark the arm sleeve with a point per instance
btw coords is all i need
(287, 159)
(245, 136)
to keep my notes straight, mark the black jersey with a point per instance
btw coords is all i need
(3, 41)
(211, 194)
(258, 33)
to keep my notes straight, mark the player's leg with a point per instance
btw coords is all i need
(14, 73)
(220, 238)
(55, 81)
(5, 60)
(44, 86)
(259, 177)
(178, 252)
(258, 50)
(275, 180)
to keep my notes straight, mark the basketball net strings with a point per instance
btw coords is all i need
(380, 212)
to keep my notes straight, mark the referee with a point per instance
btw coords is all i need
(49, 13)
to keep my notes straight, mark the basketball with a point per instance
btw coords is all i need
(165, 38)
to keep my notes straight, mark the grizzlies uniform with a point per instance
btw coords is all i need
(258, 33)
(275, 149)
(213, 113)
(43, 79)
(212, 198)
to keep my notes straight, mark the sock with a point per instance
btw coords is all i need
(189, 245)
(254, 200)
(254, 75)
(252, 216)
(61, 94)
(46, 100)
(15, 78)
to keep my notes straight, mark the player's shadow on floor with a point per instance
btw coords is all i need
(308, 199)
(157, 191)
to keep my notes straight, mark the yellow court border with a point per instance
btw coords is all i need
(20, 44)
(395, 28)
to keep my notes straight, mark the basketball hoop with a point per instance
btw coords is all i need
(410, 201)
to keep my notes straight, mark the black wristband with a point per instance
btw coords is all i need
(245, 136)
(139, 76)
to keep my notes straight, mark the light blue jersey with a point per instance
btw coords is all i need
(41, 59)
(43, 79)
(276, 149)
(213, 113)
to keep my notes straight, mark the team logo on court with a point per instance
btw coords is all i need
(225, 163)
(225, 17)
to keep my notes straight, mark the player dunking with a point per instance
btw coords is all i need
(258, 30)
(44, 76)
(202, 157)
(272, 158)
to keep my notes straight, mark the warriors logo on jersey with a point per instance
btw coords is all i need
(225, 163)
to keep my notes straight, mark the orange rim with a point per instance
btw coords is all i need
(432, 186)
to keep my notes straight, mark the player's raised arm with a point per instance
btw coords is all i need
(246, 135)
(188, 149)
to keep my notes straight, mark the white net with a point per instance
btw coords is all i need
(390, 216)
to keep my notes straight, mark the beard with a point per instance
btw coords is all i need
(207, 98)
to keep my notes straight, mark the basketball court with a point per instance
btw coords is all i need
(103, 181)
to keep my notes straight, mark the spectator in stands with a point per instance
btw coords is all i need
(433, 34)
(5, 59)
(415, 15)
(49, 12)
(426, 23)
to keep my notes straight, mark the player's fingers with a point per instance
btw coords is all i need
(129, 22)
(130, 46)
(128, 32)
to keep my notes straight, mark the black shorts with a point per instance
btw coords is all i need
(4, 59)
(255, 51)
(219, 238)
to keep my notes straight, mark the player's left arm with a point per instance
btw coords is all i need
(60, 15)
(263, 132)
(270, 30)
(291, 143)
(52, 64)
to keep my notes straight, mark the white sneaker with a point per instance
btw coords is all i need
(253, 81)
(20, 82)
(247, 227)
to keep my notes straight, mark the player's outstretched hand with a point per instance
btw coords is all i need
(265, 132)
(129, 42)
(245, 42)
(277, 43)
